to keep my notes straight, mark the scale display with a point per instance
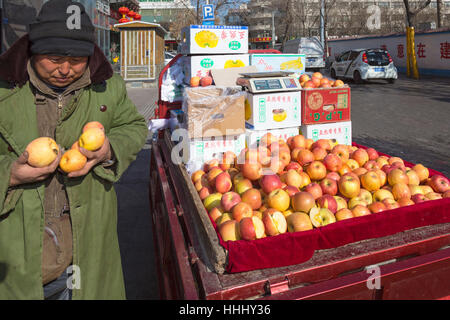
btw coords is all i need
(274, 84)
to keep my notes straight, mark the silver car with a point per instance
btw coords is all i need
(364, 64)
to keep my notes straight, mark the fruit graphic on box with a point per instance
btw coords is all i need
(292, 64)
(279, 115)
(206, 38)
(234, 64)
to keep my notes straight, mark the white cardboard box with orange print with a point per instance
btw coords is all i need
(195, 65)
(216, 39)
(275, 110)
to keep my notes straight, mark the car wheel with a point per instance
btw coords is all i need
(391, 81)
(333, 74)
(357, 77)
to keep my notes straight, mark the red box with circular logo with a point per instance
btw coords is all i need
(324, 105)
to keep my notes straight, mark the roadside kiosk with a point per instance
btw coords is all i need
(141, 50)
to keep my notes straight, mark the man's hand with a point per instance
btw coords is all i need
(93, 157)
(22, 172)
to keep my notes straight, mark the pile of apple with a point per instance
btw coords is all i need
(317, 80)
(43, 151)
(201, 81)
(298, 184)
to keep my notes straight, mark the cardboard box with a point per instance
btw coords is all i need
(228, 77)
(202, 150)
(324, 105)
(201, 65)
(341, 131)
(279, 62)
(275, 110)
(204, 39)
(252, 137)
(214, 111)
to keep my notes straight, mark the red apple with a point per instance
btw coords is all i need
(274, 222)
(229, 200)
(341, 151)
(251, 228)
(298, 221)
(314, 189)
(293, 178)
(349, 186)
(343, 214)
(316, 170)
(332, 162)
(223, 182)
(241, 210)
(278, 199)
(397, 175)
(371, 181)
(439, 183)
(401, 190)
(319, 153)
(329, 186)
(291, 190)
(294, 166)
(297, 141)
(373, 154)
(253, 198)
(421, 171)
(334, 176)
(360, 210)
(305, 157)
(327, 201)
(390, 203)
(270, 182)
(242, 185)
(251, 171)
(418, 198)
(375, 207)
(361, 156)
(229, 230)
(303, 201)
(205, 192)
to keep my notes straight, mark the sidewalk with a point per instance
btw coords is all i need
(134, 224)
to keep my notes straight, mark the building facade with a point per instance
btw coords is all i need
(261, 23)
(165, 13)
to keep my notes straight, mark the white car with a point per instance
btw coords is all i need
(364, 64)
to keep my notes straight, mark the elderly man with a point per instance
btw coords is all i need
(58, 232)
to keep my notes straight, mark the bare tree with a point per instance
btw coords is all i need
(411, 13)
(439, 6)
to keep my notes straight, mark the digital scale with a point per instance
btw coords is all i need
(264, 82)
(273, 100)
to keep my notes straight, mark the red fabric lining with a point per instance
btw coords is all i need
(297, 247)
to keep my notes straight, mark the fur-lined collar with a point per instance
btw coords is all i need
(13, 64)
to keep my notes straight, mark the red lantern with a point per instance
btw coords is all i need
(123, 20)
(137, 16)
(123, 11)
(131, 14)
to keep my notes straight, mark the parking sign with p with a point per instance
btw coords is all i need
(208, 12)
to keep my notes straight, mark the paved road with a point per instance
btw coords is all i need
(409, 119)
(134, 227)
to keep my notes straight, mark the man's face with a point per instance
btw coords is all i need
(60, 71)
